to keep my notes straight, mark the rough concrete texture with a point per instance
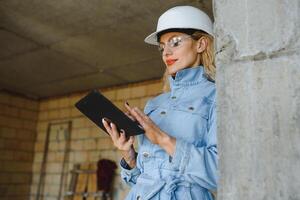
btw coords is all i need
(257, 27)
(258, 99)
(103, 38)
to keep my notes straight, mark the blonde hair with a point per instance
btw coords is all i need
(207, 59)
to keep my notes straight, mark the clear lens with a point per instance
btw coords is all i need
(174, 42)
(161, 48)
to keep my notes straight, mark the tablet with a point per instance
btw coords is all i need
(95, 106)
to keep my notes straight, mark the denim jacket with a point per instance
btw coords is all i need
(188, 113)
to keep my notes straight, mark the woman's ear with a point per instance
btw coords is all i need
(201, 44)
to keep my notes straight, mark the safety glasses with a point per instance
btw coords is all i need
(174, 43)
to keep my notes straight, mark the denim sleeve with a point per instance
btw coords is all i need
(199, 164)
(130, 175)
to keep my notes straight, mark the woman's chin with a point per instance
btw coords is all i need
(172, 70)
(171, 73)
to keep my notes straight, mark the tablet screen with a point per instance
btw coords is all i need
(95, 106)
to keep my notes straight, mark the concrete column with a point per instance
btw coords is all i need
(258, 81)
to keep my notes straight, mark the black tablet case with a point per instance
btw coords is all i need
(95, 106)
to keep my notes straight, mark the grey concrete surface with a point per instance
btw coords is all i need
(258, 64)
(104, 37)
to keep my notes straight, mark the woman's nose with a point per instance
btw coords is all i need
(167, 51)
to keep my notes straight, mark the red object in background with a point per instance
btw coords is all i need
(105, 173)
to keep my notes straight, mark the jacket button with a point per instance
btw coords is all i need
(162, 112)
(173, 97)
(191, 108)
(146, 154)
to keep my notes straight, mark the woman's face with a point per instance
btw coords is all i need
(179, 51)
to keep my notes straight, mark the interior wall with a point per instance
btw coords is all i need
(18, 121)
(88, 143)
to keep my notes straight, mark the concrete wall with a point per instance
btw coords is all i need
(18, 120)
(258, 50)
(88, 142)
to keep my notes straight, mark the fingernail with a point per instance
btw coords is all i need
(140, 126)
(111, 125)
(103, 120)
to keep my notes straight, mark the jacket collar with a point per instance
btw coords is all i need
(187, 76)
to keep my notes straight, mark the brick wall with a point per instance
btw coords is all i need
(18, 120)
(87, 142)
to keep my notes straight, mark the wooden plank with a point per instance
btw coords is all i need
(81, 182)
(92, 182)
(74, 177)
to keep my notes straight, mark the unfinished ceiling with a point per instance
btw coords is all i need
(55, 47)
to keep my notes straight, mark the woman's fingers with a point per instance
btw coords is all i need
(141, 117)
(130, 141)
(111, 129)
(140, 113)
(133, 113)
(131, 110)
(151, 130)
(119, 138)
(106, 125)
(128, 107)
(130, 116)
(122, 139)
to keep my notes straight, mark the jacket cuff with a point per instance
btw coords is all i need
(130, 175)
(124, 164)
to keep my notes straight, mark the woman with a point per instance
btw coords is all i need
(177, 155)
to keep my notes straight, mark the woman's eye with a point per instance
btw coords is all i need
(175, 43)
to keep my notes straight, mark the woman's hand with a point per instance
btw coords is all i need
(120, 141)
(153, 132)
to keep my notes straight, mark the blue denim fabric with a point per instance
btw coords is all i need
(188, 113)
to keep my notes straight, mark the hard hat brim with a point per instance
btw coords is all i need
(152, 38)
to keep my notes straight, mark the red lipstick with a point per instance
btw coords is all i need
(171, 61)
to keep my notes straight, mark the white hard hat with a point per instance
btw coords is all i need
(181, 17)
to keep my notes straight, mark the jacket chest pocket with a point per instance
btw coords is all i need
(156, 113)
(200, 107)
(191, 118)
